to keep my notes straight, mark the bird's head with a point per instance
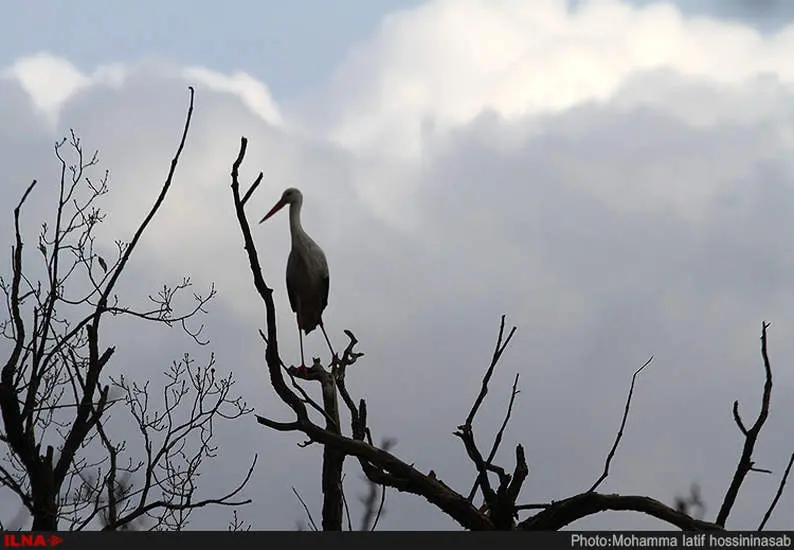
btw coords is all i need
(291, 195)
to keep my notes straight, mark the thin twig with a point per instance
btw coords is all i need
(779, 493)
(306, 508)
(619, 436)
(253, 187)
(380, 507)
(498, 350)
(347, 509)
(534, 506)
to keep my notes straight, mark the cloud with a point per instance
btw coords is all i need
(607, 176)
(439, 67)
(50, 81)
(444, 63)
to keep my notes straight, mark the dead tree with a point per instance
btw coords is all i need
(499, 487)
(63, 459)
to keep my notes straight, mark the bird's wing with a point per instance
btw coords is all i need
(325, 280)
(326, 283)
(292, 266)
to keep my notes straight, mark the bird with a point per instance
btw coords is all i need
(308, 279)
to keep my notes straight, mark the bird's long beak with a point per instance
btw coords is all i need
(279, 205)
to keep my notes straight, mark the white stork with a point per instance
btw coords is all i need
(307, 271)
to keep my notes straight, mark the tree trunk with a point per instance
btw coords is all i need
(333, 460)
(44, 493)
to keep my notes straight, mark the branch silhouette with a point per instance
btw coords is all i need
(53, 385)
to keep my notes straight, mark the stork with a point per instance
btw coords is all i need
(307, 272)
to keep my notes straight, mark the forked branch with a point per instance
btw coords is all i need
(746, 464)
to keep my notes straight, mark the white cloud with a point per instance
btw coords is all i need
(445, 62)
(252, 92)
(442, 66)
(607, 177)
(48, 80)
(51, 81)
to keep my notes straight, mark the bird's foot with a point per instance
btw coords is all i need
(302, 370)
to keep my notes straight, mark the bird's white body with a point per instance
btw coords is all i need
(307, 270)
(307, 273)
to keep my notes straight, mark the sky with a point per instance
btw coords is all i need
(616, 177)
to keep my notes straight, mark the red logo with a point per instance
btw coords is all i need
(20, 540)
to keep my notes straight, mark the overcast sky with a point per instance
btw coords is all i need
(616, 177)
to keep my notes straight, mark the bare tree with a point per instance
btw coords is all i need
(498, 487)
(60, 408)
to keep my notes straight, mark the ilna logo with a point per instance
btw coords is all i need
(20, 540)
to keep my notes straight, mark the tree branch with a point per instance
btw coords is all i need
(564, 512)
(21, 443)
(466, 432)
(781, 487)
(619, 436)
(746, 463)
(80, 425)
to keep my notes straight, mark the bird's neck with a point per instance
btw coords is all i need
(295, 227)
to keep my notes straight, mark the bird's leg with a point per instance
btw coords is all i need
(302, 369)
(327, 341)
